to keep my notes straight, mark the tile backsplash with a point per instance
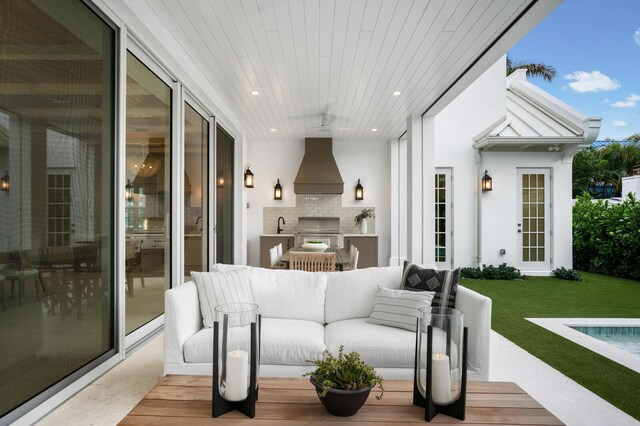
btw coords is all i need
(314, 205)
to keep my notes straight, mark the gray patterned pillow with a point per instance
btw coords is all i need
(444, 283)
(399, 308)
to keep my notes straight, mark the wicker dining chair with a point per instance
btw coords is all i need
(312, 262)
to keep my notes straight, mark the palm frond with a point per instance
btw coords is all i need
(540, 69)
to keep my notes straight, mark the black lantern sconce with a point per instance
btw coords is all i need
(220, 181)
(4, 182)
(248, 178)
(128, 191)
(359, 191)
(277, 191)
(487, 182)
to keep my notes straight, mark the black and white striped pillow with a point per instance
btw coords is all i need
(399, 308)
(221, 288)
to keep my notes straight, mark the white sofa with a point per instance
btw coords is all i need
(304, 313)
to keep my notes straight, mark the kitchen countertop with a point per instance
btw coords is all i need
(360, 235)
(277, 235)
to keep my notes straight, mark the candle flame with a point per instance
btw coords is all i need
(437, 355)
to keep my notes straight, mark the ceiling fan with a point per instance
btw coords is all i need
(326, 125)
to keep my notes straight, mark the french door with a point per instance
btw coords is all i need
(534, 219)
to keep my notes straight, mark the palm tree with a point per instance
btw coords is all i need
(547, 72)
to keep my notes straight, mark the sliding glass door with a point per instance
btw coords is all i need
(196, 189)
(148, 194)
(224, 196)
(57, 103)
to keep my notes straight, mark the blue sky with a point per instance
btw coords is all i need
(595, 47)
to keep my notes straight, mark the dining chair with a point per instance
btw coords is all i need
(273, 256)
(312, 262)
(354, 254)
(19, 271)
(279, 247)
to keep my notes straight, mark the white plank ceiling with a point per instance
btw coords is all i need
(342, 57)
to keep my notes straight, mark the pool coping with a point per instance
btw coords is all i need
(562, 327)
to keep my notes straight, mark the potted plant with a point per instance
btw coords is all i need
(361, 219)
(343, 383)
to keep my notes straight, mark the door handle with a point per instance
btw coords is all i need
(519, 228)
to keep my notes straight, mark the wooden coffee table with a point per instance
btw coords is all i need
(187, 400)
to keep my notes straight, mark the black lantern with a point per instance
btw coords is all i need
(277, 191)
(4, 182)
(248, 178)
(487, 182)
(128, 191)
(359, 191)
(440, 369)
(236, 358)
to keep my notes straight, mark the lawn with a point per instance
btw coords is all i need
(598, 296)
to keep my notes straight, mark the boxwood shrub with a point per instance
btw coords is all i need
(490, 272)
(606, 237)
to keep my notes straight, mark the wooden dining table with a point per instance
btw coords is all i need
(342, 256)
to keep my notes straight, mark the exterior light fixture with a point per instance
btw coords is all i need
(374, 130)
(277, 191)
(248, 178)
(487, 182)
(255, 93)
(396, 93)
(359, 191)
(4, 182)
(128, 193)
(220, 181)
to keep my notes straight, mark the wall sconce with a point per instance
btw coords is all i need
(277, 191)
(128, 191)
(248, 178)
(359, 191)
(4, 182)
(487, 182)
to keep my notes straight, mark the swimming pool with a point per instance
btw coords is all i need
(615, 338)
(624, 338)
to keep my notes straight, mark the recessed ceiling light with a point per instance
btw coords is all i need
(374, 130)
(273, 130)
(255, 93)
(396, 93)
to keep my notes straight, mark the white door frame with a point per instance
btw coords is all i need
(529, 233)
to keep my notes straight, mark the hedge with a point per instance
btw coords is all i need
(606, 237)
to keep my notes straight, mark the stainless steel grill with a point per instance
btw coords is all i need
(318, 228)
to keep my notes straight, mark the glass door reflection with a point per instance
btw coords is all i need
(148, 204)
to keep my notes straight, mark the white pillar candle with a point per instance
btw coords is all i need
(237, 373)
(441, 379)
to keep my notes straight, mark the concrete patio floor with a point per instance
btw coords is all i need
(107, 400)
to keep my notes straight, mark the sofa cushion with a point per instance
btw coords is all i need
(351, 294)
(288, 294)
(399, 308)
(378, 345)
(291, 342)
(284, 342)
(444, 283)
(220, 288)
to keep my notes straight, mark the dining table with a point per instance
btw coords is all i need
(342, 256)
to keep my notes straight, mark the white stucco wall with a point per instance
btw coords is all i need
(478, 107)
(270, 161)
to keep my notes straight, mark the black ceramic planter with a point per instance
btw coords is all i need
(343, 403)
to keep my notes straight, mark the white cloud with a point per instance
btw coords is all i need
(619, 123)
(593, 81)
(636, 36)
(606, 101)
(629, 102)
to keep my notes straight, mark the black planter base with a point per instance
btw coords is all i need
(343, 403)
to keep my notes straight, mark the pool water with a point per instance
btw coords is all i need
(623, 338)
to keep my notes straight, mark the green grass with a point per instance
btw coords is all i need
(598, 296)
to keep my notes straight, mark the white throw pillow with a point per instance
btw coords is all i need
(221, 288)
(399, 308)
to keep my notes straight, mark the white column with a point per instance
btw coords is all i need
(415, 184)
(428, 184)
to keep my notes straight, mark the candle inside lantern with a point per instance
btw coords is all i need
(441, 379)
(237, 373)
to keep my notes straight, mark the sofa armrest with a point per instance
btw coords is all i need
(182, 320)
(477, 318)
